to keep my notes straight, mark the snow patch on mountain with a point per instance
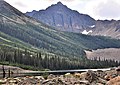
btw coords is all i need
(86, 32)
(92, 26)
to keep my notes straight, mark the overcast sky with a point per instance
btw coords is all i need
(98, 9)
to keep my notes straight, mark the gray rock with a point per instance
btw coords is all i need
(3, 81)
(51, 76)
(85, 82)
(100, 74)
(93, 78)
(63, 18)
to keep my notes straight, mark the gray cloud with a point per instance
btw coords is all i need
(110, 9)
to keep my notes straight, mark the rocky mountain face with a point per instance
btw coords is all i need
(109, 53)
(65, 19)
(109, 28)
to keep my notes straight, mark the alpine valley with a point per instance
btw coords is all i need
(54, 38)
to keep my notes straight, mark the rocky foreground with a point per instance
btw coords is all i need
(111, 77)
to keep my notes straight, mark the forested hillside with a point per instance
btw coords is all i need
(60, 43)
(32, 60)
(22, 36)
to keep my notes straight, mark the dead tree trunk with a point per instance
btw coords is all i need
(3, 71)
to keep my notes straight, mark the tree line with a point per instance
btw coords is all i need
(40, 60)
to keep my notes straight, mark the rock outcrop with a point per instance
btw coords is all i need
(63, 18)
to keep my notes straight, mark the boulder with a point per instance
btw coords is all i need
(108, 77)
(13, 81)
(51, 76)
(111, 72)
(77, 75)
(83, 75)
(100, 73)
(84, 82)
(114, 81)
(118, 70)
(40, 77)
(101, 81)
(3, 81)
(61, 82)
(67, 74)
(45, 81)
(91, 76)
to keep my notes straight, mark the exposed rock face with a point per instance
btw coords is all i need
(107, 28)
(63, 18)
(108, 53)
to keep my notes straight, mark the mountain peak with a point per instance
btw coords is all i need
(59, 3)
(63, 18)
(59, 6)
